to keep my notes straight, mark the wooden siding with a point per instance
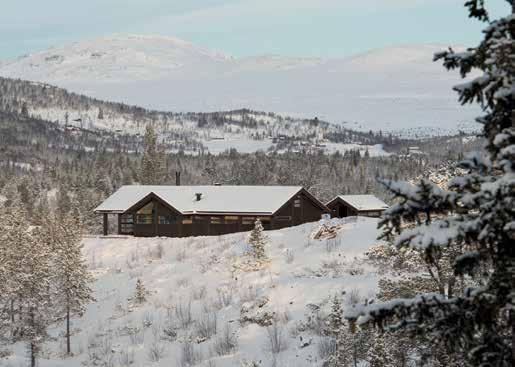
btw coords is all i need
(339, 209)
(298, 210)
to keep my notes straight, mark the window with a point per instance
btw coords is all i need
(144, 218)
(144, 215)
(283, 218)
(187, 220)
(166, 219)
(126, 223)
(264, 219)
(296, 203)
(248, 220)
(231, 219)
(216, 220)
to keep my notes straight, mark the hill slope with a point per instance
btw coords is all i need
(390, 89)
(209, 278)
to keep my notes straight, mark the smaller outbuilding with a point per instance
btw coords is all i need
(354, 205)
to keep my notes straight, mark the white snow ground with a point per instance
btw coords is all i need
(394, 88)
(212, 274)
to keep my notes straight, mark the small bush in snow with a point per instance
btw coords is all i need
(249, 294)
(141, 293)
(331, 244)
(183, 314)
(199, 293)
(183, 282)
(156, 351)
(181, 255)
(224, 297)
(258, 240)
(226, 342)
(354, 297)
(326, 347)
(189, 356)
(206, 325)
(126, 357)
(289, 256)
(276, 341)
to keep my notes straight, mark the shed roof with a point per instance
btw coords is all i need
(363, 202)
(214, 199)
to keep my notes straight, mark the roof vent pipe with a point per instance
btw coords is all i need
(198, 195)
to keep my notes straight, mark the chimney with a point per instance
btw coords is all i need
(198, 195)
(177, 178)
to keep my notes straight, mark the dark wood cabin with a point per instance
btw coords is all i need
(356, 205)
(183, 211)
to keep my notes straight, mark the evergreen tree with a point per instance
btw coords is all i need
(379, 352)
(258, 240)
(32, 291)
(473, 218)
(71, 276)
(63, 201)
(152, 162)
(140, 295)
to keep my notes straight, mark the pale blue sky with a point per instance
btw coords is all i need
(320, 28)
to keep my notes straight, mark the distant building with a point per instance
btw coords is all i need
(182, 211)
(353, 205)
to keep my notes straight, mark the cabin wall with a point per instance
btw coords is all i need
(341, 210)
(166, 222)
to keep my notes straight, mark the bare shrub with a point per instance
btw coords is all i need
(331, 244)
(276, 342)
(183, 282)
(181, 254)
(355, 270)
(147, 319)
(326, 347)
(333, 266)
(126, 357)
(223, 297)
(136, 335)
(354, 296)
(183, 314)
(156, 351)
(206, 325)
(249, 294)
(158, 251)
(226, 342)
(289, 256)
(189, 356)
(199, 293)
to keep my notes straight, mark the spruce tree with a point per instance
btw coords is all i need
(474, 217)
(152, 161)
(257, 240)
(140, 295)
(71, 276)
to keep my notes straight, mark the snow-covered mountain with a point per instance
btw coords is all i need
(390, 89)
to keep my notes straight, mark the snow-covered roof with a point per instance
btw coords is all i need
(214, 199)
(363, 202)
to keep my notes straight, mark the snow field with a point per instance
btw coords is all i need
(200, 289)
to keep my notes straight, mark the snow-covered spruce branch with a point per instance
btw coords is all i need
(475, 219)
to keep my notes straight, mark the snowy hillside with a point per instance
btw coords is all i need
(200, 289)
(394, 88)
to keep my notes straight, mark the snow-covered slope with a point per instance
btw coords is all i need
(390, 89)
(211, 275)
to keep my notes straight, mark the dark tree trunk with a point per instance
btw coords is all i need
(32, 355)
(68, 348)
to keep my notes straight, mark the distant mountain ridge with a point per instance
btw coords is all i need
(393, 88)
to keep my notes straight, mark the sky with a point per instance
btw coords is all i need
(308, 28)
